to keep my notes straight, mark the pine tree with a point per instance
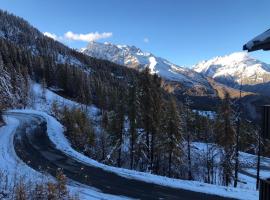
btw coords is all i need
(103, 139)
(150, 108)
(188, 117)
(226, 138)
(6, 92)
(25, 88)
(78, 128)
(236, 165)
(132, 115)
(173, 134)
(145, 85)
(117, 127)
(157, 104)
(210, 152)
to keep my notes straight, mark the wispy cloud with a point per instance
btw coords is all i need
(51, 35)
(87, 37)
(92, 36)
(146, 40)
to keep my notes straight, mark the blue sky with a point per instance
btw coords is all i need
(183, 31)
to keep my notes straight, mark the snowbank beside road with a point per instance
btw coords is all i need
(55, 133)
(15, 168)
(10, 164)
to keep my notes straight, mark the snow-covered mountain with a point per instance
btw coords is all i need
(232, 68)
(134, 57)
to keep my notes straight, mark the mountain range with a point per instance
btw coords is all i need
(205, 82)
(134, 57)
(238, 69)
(230, 70)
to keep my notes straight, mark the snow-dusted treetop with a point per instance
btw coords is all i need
(134, 57)
(262, 41)
(235, 66)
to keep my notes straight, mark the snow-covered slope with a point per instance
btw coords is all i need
(231, 68)
(56, 135)
(134, 57)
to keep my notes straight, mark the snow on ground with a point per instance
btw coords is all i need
(56, 135)
(251, 164)
(248, 163)
(15, 168)
(44, 102)
(41, 104)
(263, 173)
(90, 193)
(204, 113)
(55, 132)
(247, 182)
(10, 164)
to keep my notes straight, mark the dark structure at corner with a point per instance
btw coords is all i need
(261, 42)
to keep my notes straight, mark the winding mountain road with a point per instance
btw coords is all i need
(33, 146)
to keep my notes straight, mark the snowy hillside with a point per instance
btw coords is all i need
(134, 57)
(229, 69)
(245, 191)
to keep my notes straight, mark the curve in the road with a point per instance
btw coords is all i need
(34, 147)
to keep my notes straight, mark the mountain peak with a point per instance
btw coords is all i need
(134, 57)
(234, 67)
(130, 56)
(107, 45)
(230, 58)
(239, 55)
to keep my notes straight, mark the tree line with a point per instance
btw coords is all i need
(148, 130)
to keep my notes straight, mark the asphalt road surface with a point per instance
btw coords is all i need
(33, 146)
